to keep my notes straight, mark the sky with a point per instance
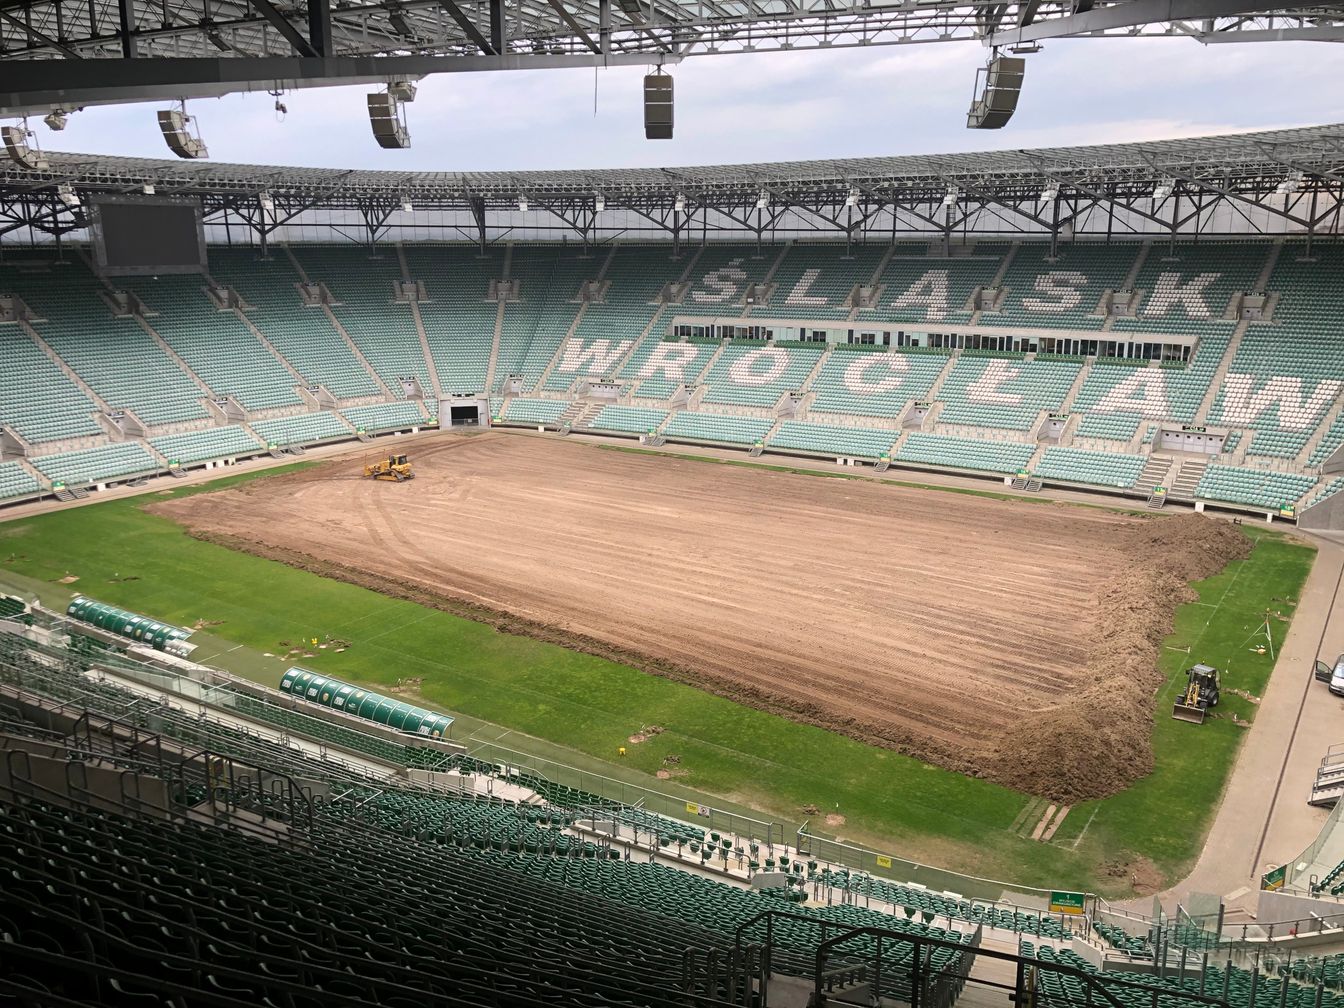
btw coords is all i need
(764, 107)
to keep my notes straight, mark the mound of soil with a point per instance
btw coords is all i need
(1111, 719)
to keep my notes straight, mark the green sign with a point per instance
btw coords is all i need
(1067, 902)
(1274, 880)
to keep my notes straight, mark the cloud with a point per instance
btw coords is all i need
(764, 107)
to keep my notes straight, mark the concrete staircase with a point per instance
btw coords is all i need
(1067, 405)
(942, 376)
(1154, 474)
(65, 368)
(494, 349)
(1318, 435)
(437, 389)
(1187, 478)
(1216, 382)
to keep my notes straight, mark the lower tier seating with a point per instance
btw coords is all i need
(715, 427)
(1253, 486)
(861, 442)
(385, 416)
(308, 428)
(96, 465)
(538, 411)
(15, 481)
(629, 418)
(1110, 469)
(199, 446)
(965, 453)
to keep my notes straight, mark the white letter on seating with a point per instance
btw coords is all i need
(721, 280)
(985, 389)
(1170, 292)
(856, 380)
(798, 297)
(670, 359)
(743, 371)
(1296, 410)
(1062, 285)
(1144, 392)
(600, 355)
(930, 291)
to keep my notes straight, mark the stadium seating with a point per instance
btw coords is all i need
(459, 321)
(737, 377)
(15, 481)
(721, 276)
(1259, 487)
(96, 465)
(965, 453)
(715, 427)
(305, 429)
(1021, 390)
(385, 416)
(1063, 293)
(1108, 426)
(304, 336)
(383, 329)
(874, 384)
(537, 322)
(1187, 291)
(628, 418)
(215, 345)
(860, 442)
(658, 385)
(535, 411)
(920, 285)
(814, 281)
(200, 446)
(60, 411)
(1109, 469)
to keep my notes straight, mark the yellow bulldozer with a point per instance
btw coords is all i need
(394, 468)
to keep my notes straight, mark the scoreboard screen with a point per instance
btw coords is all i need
(146, 235)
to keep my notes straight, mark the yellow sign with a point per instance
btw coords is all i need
(692, 808)
(883, 861)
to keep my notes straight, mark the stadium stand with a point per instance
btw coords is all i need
(200, 446)
(921, 285)
(535, 325)
(815, 281)
(627, 418)
(305, 429)
(965, 453)
(872, 384)
(715, 427)
(15, 481)
(385, 416)
(383, 329)
(721, 277)
(1007, 393)
(304, 336)
(660, 368)
(757, 375)
(1253, 486)
(1111, 469)
(459, 320)
(535, 411)
(1064, 292)
(97, 465)
(858, 442)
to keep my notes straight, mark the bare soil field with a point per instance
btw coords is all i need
(1010, 640)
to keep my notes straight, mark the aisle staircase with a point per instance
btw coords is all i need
(1187, 478)
(1154, 474)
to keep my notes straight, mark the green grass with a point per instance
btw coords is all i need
(580, 709)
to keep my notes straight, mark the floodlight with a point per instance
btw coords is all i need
(402, 90)
(175, 125)
(56, 119)
(388, 119)
(679, 204)
(950, 197)
(599, 202)
(763, 199)
(67, 195)
(23, 155)
(1290, 184)
(1050, 193)
(397, 19)
(406, 205)
(522, 203)
(147, 188)
(852, 200)
(265, 201)
(1163, 189)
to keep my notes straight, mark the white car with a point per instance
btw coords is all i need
(1332, 675)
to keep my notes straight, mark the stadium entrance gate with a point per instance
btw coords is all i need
(464, 411)
(1193, 439)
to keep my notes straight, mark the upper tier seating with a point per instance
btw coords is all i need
(459, 321)
(537, 322)
(115, 356)
(383, 329)
(304, 336)
(757, 375)
(215, 345)
(874, 384)
(721, 276)
(1065, 293)
(1130, 386)
(660, 367)
(305, 429)
(1108, 426)
(15, 481)
(1188, 292)
(920, 285)
(1005, 393)
(815, 281)
(96, 465)
(200, 446)
(36, 398)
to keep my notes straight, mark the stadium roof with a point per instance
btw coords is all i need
(55, 53)
(1216, 161)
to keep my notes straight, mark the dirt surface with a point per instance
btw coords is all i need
(1011, 640)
